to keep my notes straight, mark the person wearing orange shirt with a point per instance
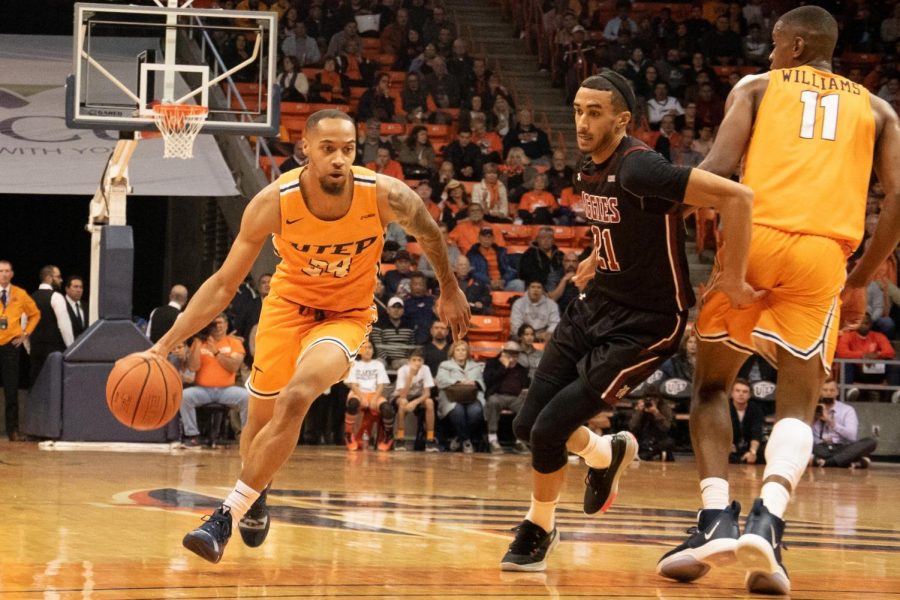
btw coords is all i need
(14, 303)
(465, 234)
(215, 359)
(538, 206)
(864, 343)
(326, 221)
(386, 165)
(807, 140)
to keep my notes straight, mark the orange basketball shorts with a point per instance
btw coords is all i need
(287, 331)
(803, 275)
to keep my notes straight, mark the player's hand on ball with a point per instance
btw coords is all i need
(453, 309)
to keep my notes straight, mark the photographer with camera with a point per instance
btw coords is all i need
(836, 433)
(650, 423)
(215, 359)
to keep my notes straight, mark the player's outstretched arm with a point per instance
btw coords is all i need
(731, 141)
(262, 218)
(887, 167)
(734, 201)
(398, 203)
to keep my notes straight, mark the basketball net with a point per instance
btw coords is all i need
(179, 125)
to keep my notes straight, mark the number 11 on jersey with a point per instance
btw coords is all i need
(603, 246)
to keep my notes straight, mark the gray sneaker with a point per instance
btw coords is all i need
(468, 448)
(521, 448)
(496, 448)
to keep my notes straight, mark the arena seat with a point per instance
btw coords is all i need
(501, 302)
(484, 328)
(295, 108)
(484, 350)
(518, 234)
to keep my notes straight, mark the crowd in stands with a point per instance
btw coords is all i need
(499, 185)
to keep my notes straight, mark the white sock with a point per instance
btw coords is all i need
(597, 453)
(775, 497)
(543, 514)
(715, 494)
(240, 500)
(787, 454)
(492, 437)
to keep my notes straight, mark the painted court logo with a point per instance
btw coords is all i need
(365, 512)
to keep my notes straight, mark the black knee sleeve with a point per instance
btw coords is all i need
(570, 408)
(540, 392)
(352, 406)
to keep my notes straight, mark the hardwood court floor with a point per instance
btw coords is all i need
(404, 525)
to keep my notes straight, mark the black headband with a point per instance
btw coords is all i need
(622, 86)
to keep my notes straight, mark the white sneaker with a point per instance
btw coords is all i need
(468, 448)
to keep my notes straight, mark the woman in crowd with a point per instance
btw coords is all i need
(529, 356)
(491, 193)
(417, 155)
(377, 101)
(518, 174)
(328, 85)
(461, 386)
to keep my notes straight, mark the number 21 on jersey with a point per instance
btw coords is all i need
(603, 246)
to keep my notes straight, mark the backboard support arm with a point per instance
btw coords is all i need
(108, 207)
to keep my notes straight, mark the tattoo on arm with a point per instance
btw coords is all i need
(415, 219)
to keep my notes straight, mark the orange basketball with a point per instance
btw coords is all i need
(143, 394)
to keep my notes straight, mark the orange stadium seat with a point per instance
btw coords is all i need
(295, 108)
(502, 302)
(249, 89)
(484, 350)
(294, 125)
(564, 236)
(516, 248)
(439, 133)
(484, 328)
(583, 237)
(385, 60)
(392, 129)
(518, 234)
(387, 267)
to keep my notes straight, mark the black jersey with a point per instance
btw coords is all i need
(633, 203)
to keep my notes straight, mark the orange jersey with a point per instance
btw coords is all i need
(329, 265)
(810, 155)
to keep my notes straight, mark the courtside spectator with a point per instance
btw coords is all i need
(461, 386)
(412, 394)
(747, 422)
(650, 423)
(215, 358)
(836, 433)
(506, 382)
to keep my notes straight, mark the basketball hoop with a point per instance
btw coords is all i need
(179, 125)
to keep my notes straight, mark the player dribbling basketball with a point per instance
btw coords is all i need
(328, 220)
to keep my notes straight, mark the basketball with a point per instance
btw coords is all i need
(143, 394)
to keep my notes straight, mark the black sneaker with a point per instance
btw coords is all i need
(254, 525)
(209, 540)
(759, 550)
(529, 550)
(602, 485)
(712, 542)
